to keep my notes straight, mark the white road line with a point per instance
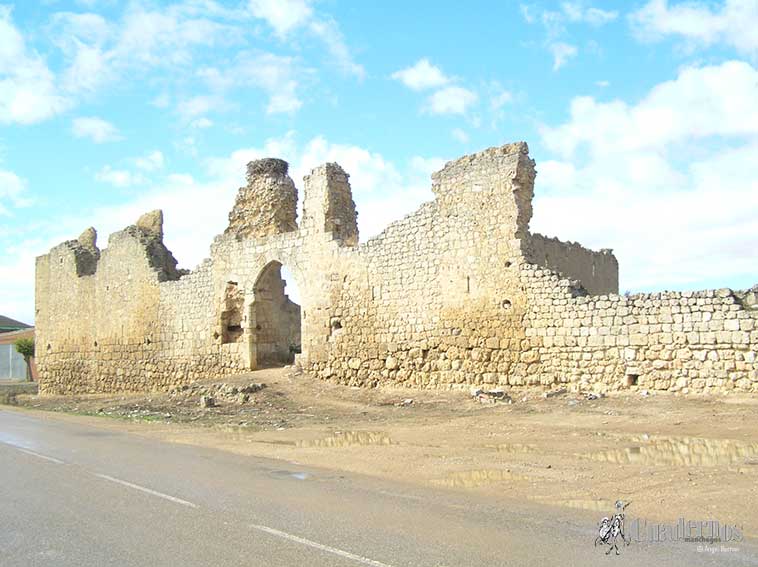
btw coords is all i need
(40, 456)
(147, 490)
(320, 546)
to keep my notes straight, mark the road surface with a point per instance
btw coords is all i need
(77, 495)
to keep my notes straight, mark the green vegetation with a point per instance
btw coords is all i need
(25, 347)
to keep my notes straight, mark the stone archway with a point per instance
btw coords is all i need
(275, 331)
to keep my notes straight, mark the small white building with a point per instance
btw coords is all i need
(12, 364)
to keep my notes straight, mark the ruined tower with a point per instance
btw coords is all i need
(267, 204)
(328, 205)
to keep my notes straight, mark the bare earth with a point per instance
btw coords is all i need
(671, 456)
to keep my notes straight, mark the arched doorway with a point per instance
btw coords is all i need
(276, 320)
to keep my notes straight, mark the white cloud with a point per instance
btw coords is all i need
(578, 12)
(121, 178)
(166, 37)
(451, 100)
(81, 38)
(733, 23)
(96, 129)
(150, 162)
(28, 92)
(422, 75)
(670, 183)
(500, 99)
(328, 32)
(274, 74)
(460, 135)
(198, 105)
(97, 52)
(12, 190)
(562, 52)
(201, 123)
(284, 16)
(556, 24)
(288, 16)
(701, 102)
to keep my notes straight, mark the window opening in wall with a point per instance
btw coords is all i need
(232, 314)
(632, 379)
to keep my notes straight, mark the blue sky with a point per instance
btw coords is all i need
(642, 116)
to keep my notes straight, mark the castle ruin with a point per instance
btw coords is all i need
(458, 293)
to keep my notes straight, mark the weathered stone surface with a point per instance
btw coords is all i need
(457, 294)
(152, 223)
(267, 205)
(88, 238)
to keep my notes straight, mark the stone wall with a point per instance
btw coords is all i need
(457, 293)
(701, 341)
(598, 271)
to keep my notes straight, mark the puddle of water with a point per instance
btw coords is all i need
(291, 474)
(348, 439)
(476, 478)
(680, 451)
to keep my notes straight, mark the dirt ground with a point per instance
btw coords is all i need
(671, 456)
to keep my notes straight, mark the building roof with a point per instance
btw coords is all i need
(8, 324)
(12, 336)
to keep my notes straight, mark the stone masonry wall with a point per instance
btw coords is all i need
(598, 271)
(457, 293)
(701, 341)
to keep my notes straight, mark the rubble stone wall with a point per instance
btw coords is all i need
(457, 293)
(702, 341)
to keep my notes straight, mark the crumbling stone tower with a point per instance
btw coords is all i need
(267, 204)
(328, 207)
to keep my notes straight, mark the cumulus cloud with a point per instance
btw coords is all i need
(28, 91)
(578, 12)
(422, 75)
(670, 183)
(562, 52)
(447, 99)
(733, 23)
(12, 192)
(451, 100)
(121, 178)
(96, 129)
(287, 16)
(274, 74)
(283, 16)
(717, 100)
(556, 24)
(151, 161)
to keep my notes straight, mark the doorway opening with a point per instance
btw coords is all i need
(276, 330)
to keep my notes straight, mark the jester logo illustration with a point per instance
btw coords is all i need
(611, 529)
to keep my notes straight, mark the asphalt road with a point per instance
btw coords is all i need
(79, 495)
